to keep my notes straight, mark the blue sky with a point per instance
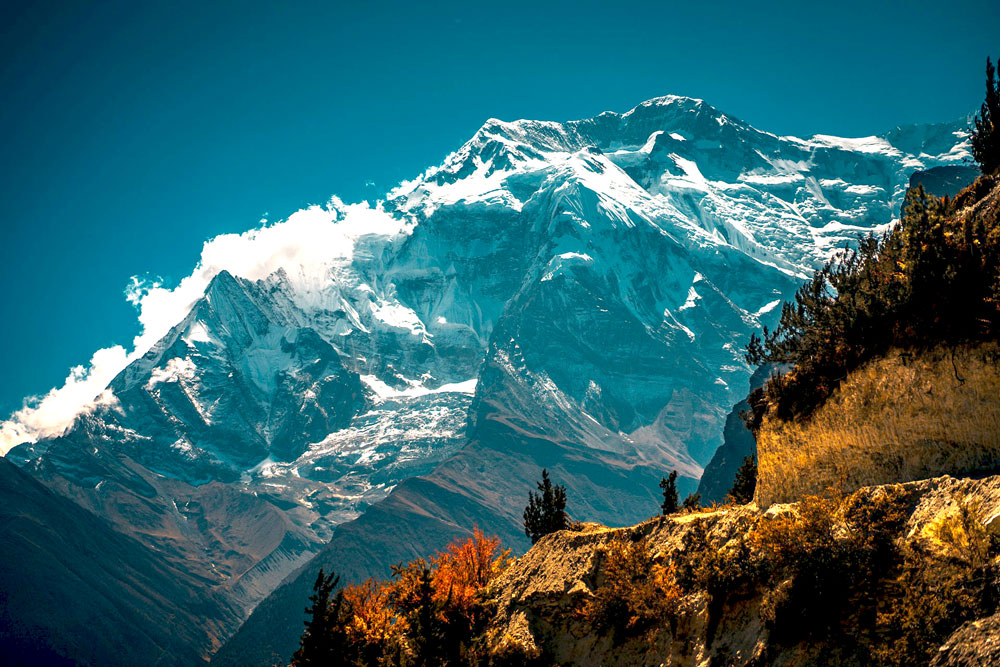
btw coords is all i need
(134, 132)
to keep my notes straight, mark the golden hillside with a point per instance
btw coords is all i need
(902, 417)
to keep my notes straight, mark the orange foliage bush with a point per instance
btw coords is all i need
(372, 619)
(465, 568)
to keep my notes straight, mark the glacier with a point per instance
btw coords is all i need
(569, 294)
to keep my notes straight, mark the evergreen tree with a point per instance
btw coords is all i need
(426, 627)
(692, 502)
(745, 481)
(546, 511)
(670, 498)
(324, 641)
(986, 126)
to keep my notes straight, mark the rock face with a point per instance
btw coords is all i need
(944, 180)
(541, 598)
(566, 295)
(76, 592)
(975, 643)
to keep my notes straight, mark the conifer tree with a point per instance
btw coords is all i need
(670, 498)
(546, 511)
(745, 481)
(426, 627)
(324, 641)
(986, 126)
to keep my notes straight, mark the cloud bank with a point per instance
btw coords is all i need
(307, 246)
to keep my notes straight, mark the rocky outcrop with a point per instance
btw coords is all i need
(975, 643)
(542, 598)
(737, 444)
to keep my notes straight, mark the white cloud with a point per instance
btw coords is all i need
(49, 415)
(308, 245)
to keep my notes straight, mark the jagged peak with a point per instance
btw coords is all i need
(669, 100)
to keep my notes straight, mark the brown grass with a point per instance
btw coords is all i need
(896, 419)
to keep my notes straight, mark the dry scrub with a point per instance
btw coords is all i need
(898, 418)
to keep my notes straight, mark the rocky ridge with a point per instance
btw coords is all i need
(542, 598)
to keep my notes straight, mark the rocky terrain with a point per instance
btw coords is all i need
(543, 598)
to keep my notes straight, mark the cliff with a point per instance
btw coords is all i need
(737, 444)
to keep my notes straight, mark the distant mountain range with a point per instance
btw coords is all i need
(574, 296)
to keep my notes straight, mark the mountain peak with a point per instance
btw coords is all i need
(667, 100)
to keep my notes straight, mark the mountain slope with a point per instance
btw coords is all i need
(76, 592)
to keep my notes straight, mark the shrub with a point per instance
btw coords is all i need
(637, 592)
(692, 502)
(938, 590)
(811, 573)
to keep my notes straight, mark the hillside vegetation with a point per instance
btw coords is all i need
(895, 372)
(933, 280)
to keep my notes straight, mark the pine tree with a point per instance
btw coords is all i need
(745, 481)
(986, 126)
(324, 641)
(670, 498)
(426, 627)
(546, 511)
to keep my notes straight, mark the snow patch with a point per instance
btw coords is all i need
(384, 391)
(768, 307)
(177, 369)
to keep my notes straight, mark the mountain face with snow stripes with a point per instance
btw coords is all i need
(570, 295)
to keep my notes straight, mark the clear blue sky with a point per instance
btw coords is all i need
(134, 131)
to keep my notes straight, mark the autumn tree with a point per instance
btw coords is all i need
(546, 511)
(985, 134)
(466, 567)
(670, 499)
(462, 573)
(373, 629)
(431, 612)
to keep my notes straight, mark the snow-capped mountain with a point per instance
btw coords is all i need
(560, 294)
